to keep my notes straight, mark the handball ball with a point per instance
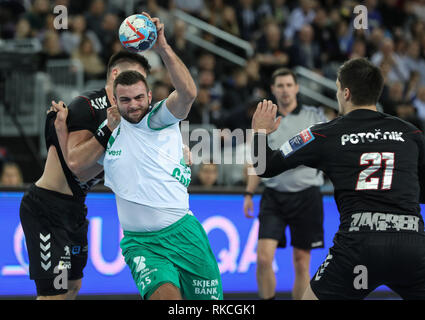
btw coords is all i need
(137, 33)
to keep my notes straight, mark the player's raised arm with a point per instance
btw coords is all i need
(179, 101)
(302, 149)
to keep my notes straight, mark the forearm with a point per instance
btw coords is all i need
(182, 81)
(80, 161)
(269, 162)
(252, 183)
(84, 155)
(90, 173)
(81, 157)
(62, 134)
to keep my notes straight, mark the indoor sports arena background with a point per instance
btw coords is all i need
(233, 240)
(57, 49)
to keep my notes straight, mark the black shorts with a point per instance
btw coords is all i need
(55, 228)
(358, 263)
(302, 211)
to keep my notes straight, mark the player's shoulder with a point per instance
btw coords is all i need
(401, 124)
(323, 128)
(90, 94)
(94, 98)
(88, 110)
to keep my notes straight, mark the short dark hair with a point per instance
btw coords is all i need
(283, 72)
(363, 79)
(128, 78)
(128, 57)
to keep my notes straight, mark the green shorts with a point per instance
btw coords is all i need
(179, 254)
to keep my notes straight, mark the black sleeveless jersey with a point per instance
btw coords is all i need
(375, 161)
(85, 112)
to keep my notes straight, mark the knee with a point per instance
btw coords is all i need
(264, 260)
(302, 262)
(74, 287)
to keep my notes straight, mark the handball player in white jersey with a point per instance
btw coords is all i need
(164, 245)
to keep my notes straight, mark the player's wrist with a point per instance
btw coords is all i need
(110, 127)
(60, 126)
(248, 193)
(163, 49)
(102, 136)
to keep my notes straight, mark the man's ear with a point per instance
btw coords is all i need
(150, 97)
(114, 73)
(272, 89)
(347, 94)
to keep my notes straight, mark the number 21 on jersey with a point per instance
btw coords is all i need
(375, 161)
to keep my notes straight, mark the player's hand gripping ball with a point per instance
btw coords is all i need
(137, 33)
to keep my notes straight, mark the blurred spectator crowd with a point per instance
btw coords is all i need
(316, 34)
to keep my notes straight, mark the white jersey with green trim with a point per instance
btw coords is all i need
(145, 165)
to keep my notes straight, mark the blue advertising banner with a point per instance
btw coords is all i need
(233, 240)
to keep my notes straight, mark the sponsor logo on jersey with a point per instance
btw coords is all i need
(99, 103)
(114, 153)
(297, 142)
(75, 249)
(182, 174)
(64, 265)
(365, 137)
(383, 222)
(112, 138)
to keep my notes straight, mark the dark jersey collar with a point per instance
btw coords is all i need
(363, 114)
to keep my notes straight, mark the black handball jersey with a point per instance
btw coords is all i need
(375, 161)
(85, 112)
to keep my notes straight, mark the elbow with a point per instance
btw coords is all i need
(75, 167)
(264, 174)
(260, 170)
(264, 170)
(191, 92)
(189, 100)
(191, 95)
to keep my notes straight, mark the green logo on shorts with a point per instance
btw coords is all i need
(139, 261)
